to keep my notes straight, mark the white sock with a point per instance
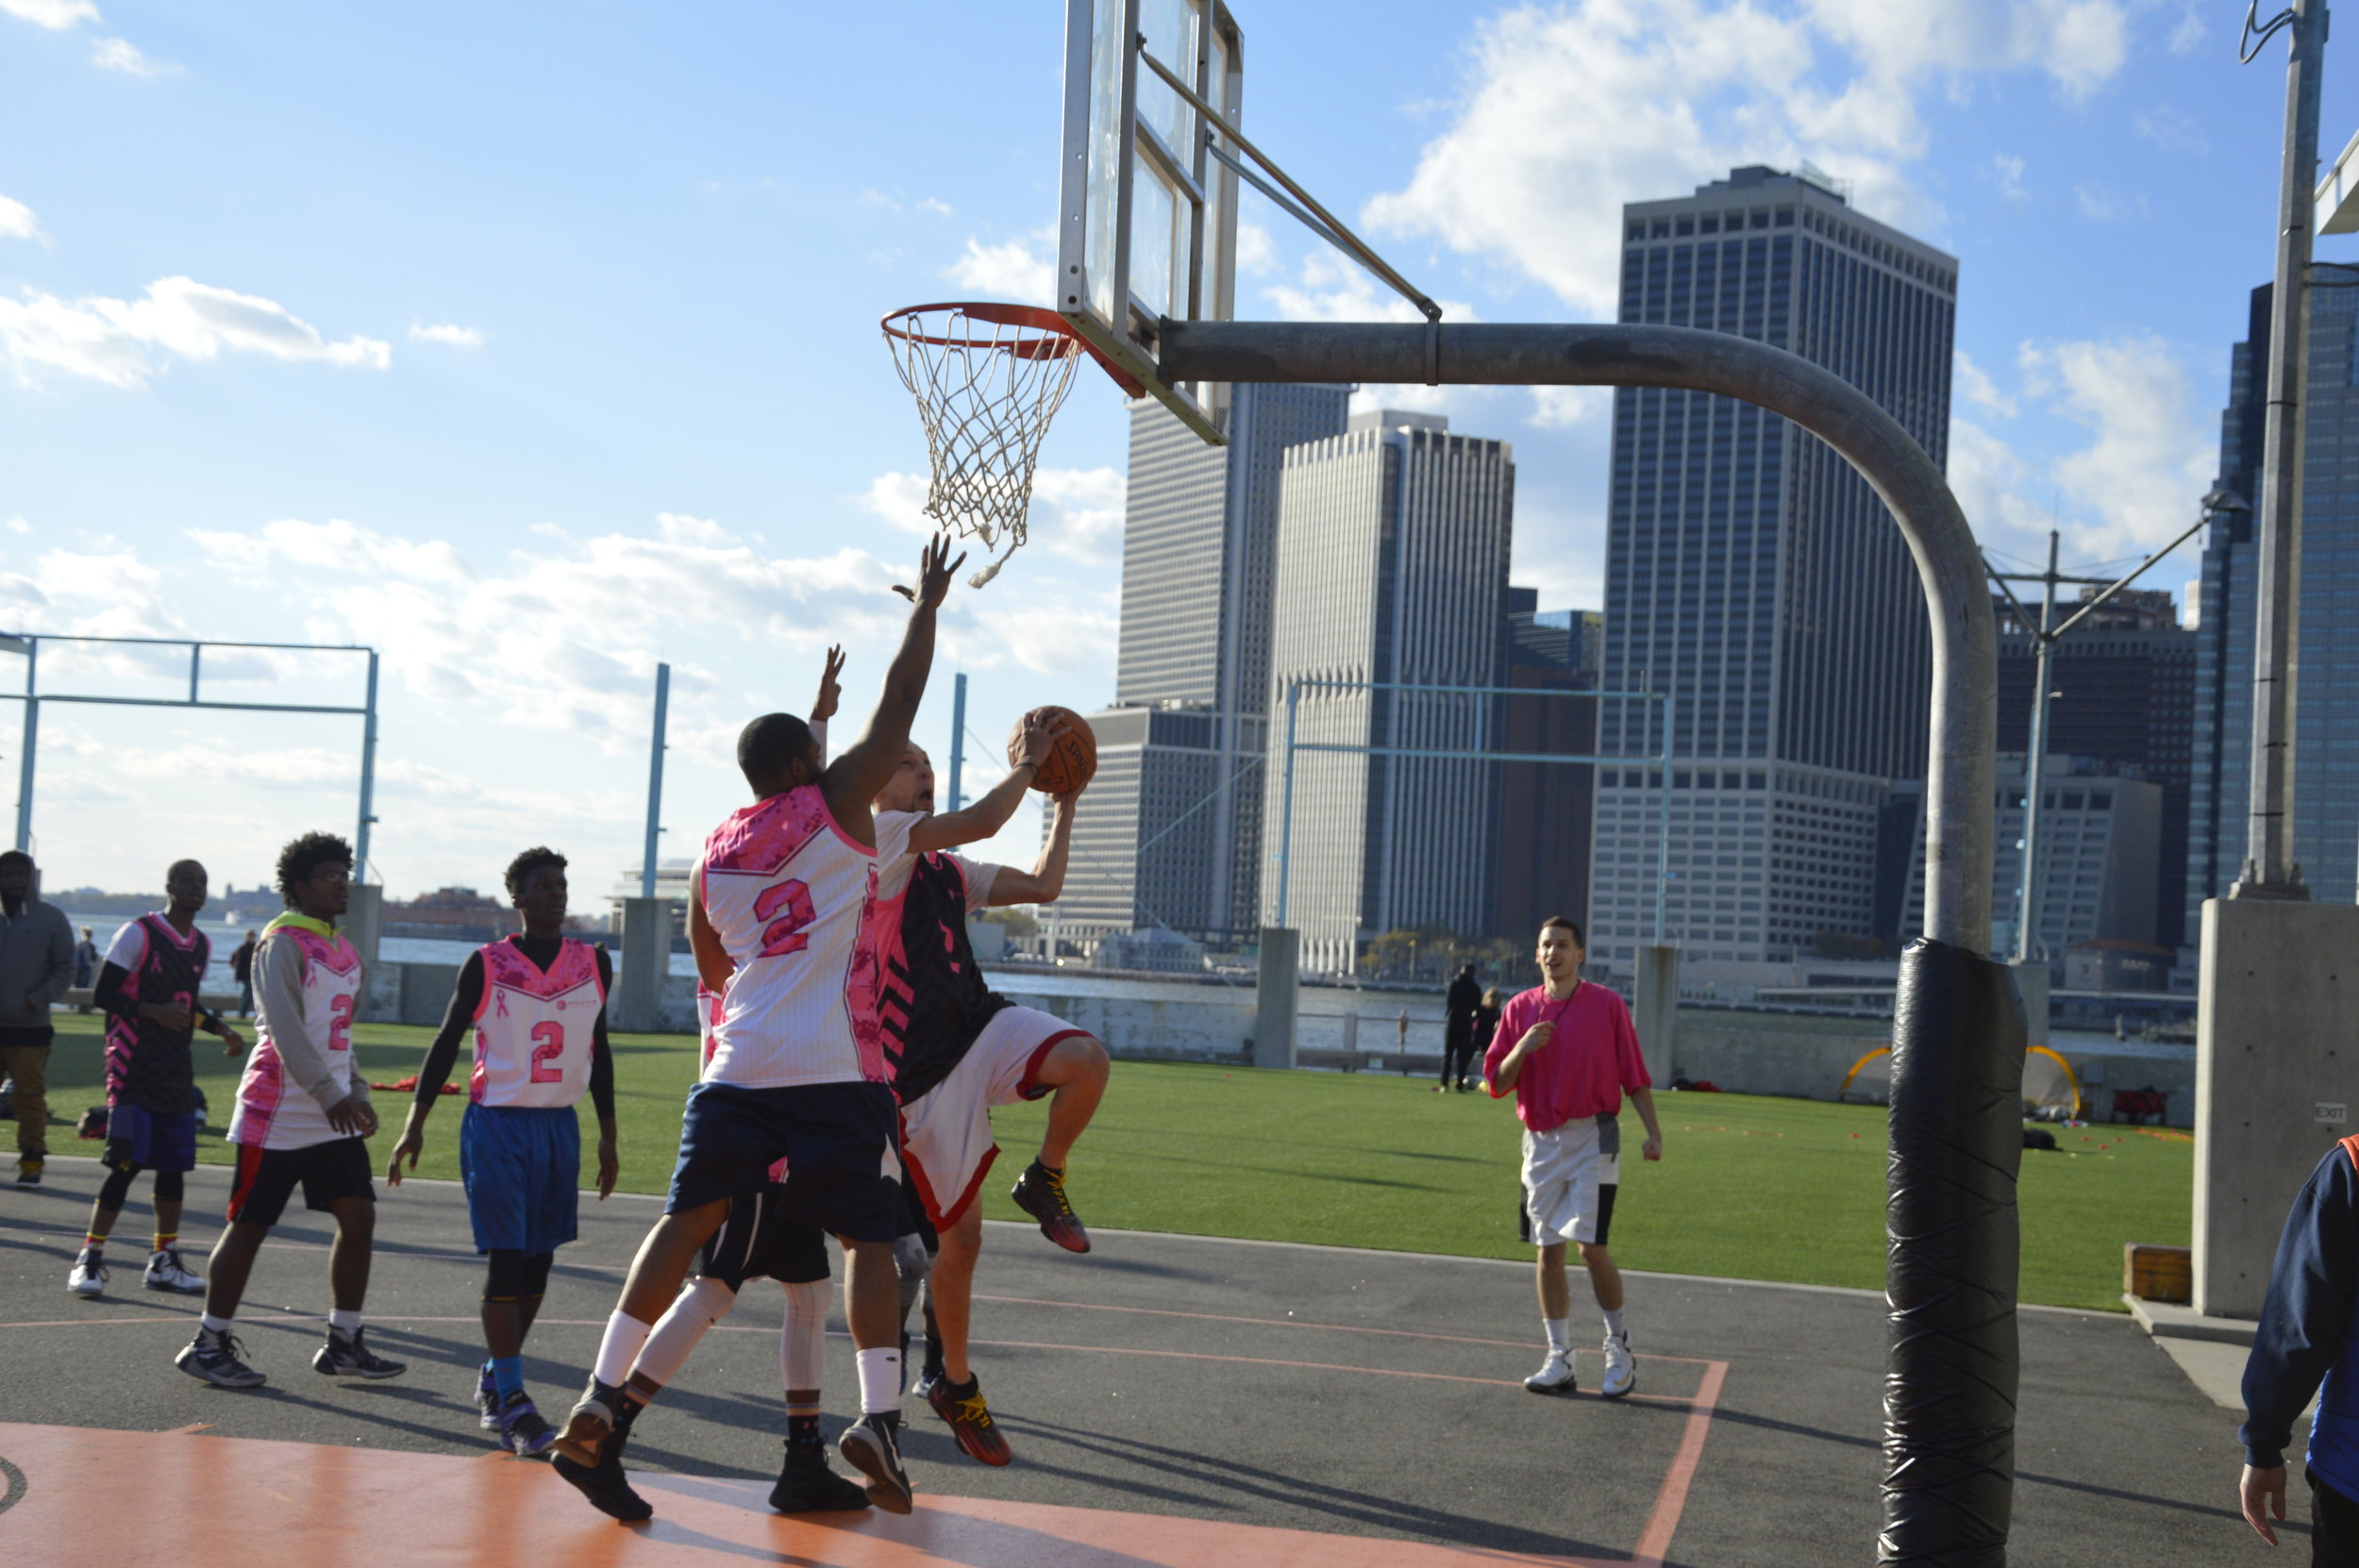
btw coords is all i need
(339, 1318)
(214, 1325)
(879, 1381)
(1560, 1334)
(703, 1303)
(803, 1344)
(624, 1334)
(1613, 1322)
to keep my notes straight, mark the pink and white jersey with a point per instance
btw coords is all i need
(793, 897)
(534, 1030)
(273, 1110)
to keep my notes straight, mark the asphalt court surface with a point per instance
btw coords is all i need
(1268, 1389)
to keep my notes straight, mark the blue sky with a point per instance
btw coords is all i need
(532, 344)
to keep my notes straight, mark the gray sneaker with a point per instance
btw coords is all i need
(345, 1355)
(215, 1357)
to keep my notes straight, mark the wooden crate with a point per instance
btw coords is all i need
(2158, 1274)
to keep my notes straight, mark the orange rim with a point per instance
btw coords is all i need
(1057, 341)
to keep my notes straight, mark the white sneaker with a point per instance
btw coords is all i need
(165, 1272)
(1555, 1375)
(88, 1277)
(1621, 1367)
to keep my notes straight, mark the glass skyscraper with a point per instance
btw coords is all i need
(1756, 579)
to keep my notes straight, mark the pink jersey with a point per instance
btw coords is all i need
(792, 898)
(534, 1030)
(272, 1112)
(1587, 1062)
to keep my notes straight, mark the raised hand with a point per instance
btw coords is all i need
(831, 690)
(933, 575)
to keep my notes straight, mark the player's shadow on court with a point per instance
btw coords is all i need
(1206, 1476)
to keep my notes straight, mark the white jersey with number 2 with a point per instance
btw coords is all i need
(533, 1029)
(792, 898)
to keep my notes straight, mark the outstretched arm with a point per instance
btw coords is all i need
(989, 813)
(853, 779)
(1046, 881)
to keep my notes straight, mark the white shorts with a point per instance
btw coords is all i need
(1570, 1174)
(945, 1132)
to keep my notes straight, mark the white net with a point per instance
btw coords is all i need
(987, 379)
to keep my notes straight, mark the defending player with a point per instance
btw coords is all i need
(301, 1118)
(780, 907)
(537, 1006)
(959, 1049)
(147, 988)
(1566, 1051)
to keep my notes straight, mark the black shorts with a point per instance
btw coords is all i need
(839, 1141)
(1605, 1213)
(757, 1241)
(328, 1172)
(913, 1220)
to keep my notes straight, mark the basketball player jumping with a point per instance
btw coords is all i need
(779, 910)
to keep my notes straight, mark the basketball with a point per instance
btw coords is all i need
(1072, 756)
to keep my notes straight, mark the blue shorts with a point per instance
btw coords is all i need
(522, 1165)
(142, 1139)
(840, 1140)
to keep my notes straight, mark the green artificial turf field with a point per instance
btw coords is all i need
(1754, 1188)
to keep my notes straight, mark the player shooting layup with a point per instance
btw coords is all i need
(779, 910)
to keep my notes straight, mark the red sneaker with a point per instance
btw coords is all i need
(1040, 1193)
(970, 1421)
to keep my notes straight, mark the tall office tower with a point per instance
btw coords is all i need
(1755, 579)
(1392, 572)
(2124, 695)
(1199, 537)
(1545, 808)
(2326, 734)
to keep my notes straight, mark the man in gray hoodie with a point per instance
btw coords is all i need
(36, 967)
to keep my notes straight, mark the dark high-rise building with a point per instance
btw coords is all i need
(2123, 685)
(1199, 541)
(1755, 578)
(2326, 734)
(1545, 808)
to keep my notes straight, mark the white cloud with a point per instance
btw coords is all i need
(17, 525)
(2010, 175)
(1333, 287)
(1561, 408)
(1077, 512)
(57, 15)
(1022, 270)
(447, 333)
(123, 342)
(2172, 131)
(2102, 203)
(116, 53)
(1979, 389)
(1575, 108)
(18, 223)
(2190, 32)
(1256, 251)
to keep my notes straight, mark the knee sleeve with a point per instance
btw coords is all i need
(803, 1346)
(913, 1264)
(168, 1188)
(504, 1279)
(118, 1187)
(535, 1281)
(703, 1303)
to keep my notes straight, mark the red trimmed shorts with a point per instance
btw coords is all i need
(946, 1144)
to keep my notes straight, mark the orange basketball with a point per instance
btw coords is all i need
(1072, 756)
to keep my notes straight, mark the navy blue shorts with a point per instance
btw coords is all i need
(839, 1141)
(758, 1241)
(522, 1166)
(140, 1140)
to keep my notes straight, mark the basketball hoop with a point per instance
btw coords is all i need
(988, 378)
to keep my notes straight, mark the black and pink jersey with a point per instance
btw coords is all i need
(934, 1000)
(147, 1064)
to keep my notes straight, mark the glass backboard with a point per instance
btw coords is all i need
(1147, 228)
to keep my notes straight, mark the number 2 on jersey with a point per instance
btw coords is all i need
(791, 902)
(548, 1043)
(339, 1023)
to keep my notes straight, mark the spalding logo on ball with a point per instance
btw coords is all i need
(1072, 751)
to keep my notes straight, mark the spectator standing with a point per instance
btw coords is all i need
(85, 962)
(1486, 1026)
(1401, 1031)
(241, 967)
(36, 965)
(2308, 1336)
(1458, 1019)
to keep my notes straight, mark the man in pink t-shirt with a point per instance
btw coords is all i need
(1566, 1051)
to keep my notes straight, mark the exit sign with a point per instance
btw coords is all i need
(2331, 1113)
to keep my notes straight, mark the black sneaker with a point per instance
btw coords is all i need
(487, 1400)
(590, 1424)
(808, 1486)
(345, 1355)
(215, 1357)
(604, 1483)
(1040, 1193)
(29, 1171)
(871, 1446)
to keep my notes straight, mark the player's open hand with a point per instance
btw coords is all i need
(609, 1167)
(830, 689)
(1039, 733)
(2264, 1495)
(352, 1117)
(934, 571)
(412, 1144)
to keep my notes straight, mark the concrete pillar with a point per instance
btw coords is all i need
(2276, 1074)
(2030, 983)
(1275, 997)
(1658, 1010)
(365, 919)
(646, 958)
